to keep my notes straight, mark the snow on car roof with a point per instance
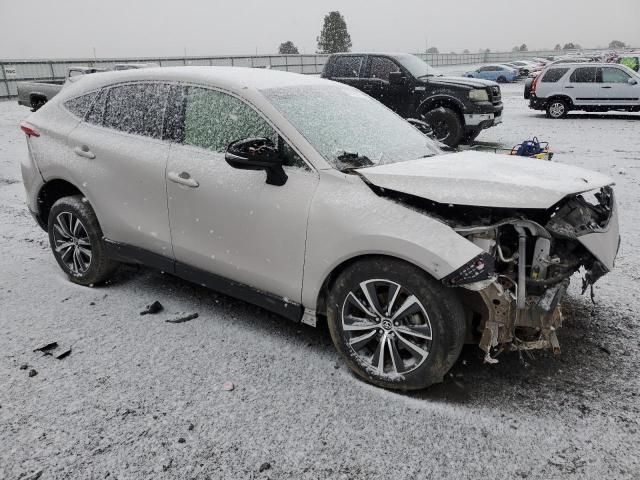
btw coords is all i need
(230, 78)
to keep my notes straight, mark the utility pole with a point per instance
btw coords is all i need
(94, 55)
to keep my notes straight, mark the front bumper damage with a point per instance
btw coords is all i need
(517, 305)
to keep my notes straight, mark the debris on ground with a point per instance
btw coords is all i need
(604, 349)
(183, 319)
(264, 466)
(228, 386)
(33, 476)
(24, 366)
(46, 347)
(181, 440)
(191, 426)
(153, 308)
(63, 354)
(33, 372)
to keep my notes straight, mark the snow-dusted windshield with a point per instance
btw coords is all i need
(349, 128)
(416, 66)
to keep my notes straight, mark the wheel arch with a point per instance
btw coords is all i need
(559, 96)
(50, 192)
(444, 101)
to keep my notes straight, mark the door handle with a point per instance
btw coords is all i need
(607, 87)
(84, 151)
(568, 86)
(367, 86)
(183, 178)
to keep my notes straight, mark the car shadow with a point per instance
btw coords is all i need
(526, 380)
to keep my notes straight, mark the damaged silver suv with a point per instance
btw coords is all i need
(312, 200)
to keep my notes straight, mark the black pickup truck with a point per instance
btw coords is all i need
(456, 108)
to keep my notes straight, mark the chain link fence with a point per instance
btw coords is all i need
(14, 71)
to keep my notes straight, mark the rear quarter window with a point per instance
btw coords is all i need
(80, 106)
(554, 74)
(136, 108)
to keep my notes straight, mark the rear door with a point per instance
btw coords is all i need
(348, 69)
(616, 89)
(581, 86)
(120, 159)
(230, 222)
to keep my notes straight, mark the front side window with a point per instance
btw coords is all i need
(614, 75)
(553, 75)
(214, 119)
(583, 75)
(347, 67)
(381, 68)
(79, 106)
(136, 108)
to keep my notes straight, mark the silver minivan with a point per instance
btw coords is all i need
(311, 199)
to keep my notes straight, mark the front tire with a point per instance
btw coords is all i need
(446, 125)
(395, 326)
(76, 241)
(557, 108)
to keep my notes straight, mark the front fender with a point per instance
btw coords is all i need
(348, 220)
(441, 99)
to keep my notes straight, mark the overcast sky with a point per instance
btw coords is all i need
(72, 28)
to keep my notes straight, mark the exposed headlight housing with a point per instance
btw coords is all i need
(479, 268)
(478, 95)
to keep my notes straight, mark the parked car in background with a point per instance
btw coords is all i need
(591, 87)
(133, 66)
(35, 93)
(497, 73)
(311, 199)
(631, 60)
(456, 108)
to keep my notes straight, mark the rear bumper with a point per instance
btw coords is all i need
(536, 103)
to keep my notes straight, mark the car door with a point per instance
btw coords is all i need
(379, 87)
(582, 88)
(230, 222)
(615, 87)
(121, 159)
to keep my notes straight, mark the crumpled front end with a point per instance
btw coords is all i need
(514, 290)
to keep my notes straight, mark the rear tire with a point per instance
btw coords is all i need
(76, 241)
(446, 125)
(502, 80)
(557, 108)
(418, 316)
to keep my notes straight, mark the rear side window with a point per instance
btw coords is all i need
(381, 67)
(79, 106)
(584, 75)
(213, 120)
(136, 108)
(553, 75)
(347, 67)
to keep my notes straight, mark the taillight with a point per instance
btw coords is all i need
(29, 129)
(534, 84)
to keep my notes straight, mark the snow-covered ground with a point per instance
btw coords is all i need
(142, 398)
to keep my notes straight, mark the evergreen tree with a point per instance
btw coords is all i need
(334, 36)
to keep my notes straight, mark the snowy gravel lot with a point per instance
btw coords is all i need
(142, 398)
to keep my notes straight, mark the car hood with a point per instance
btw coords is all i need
(462, 82)
(485, 179)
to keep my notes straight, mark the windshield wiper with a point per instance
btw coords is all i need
(348, 161)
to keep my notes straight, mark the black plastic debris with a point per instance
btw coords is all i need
(155, 307)
(33, 372)
(183, 319)
(24, 366)
(63, 354)
(46, 347)
(264, 466)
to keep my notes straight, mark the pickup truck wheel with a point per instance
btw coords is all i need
(37, 103)
(557, 108)
(76, 240)
(446, 125)
(394, 325)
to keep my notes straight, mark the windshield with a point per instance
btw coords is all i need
(348, 128)
(417, 67)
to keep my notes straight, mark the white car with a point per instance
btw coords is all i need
(592, 87)
(313, 200)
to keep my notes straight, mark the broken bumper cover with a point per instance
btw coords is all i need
(604, 243)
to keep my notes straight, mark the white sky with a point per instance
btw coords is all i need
(72, 28)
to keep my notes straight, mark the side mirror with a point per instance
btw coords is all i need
(632, 81)
(257, 154)
(397, 78)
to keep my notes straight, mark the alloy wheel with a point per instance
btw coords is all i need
(71, 243)
(386, 327)
(556, 109)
